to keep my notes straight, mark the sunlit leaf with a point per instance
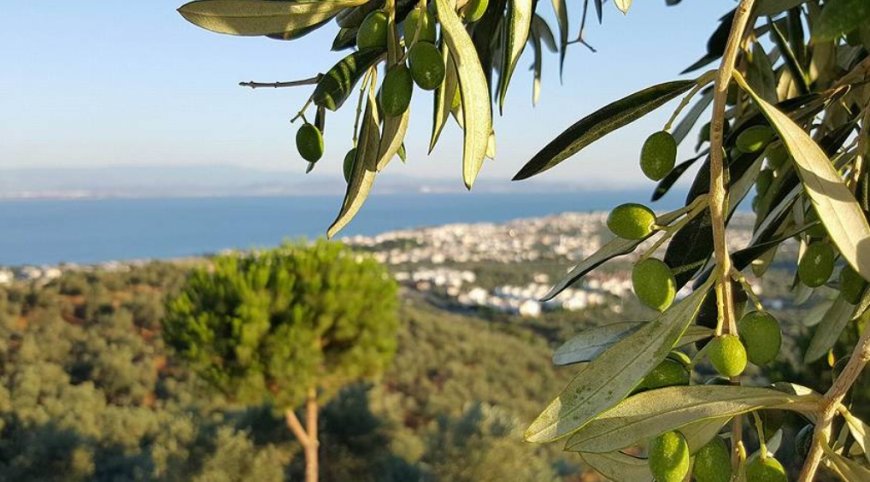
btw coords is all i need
(828, 331)
(592, 342)
(833, 201)
(476, 109)
(622, 5)
(337, 84)
(260, 17)
(648, 414)
(519, 16)
(560, 8)
(619, 466)
(860, 432)
(443, 97)
(601, 384)
(600, 123)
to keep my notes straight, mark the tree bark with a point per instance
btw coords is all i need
(307, 436)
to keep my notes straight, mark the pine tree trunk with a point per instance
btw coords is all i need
(313, 445)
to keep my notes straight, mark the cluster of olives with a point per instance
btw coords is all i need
(670, 460)
(758, 342)
(423, 65)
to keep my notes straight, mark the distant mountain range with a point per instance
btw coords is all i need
(209, 181)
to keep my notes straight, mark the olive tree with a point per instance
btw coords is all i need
(286, 327)
(788, 107)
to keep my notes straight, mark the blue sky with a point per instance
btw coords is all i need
(97, 83)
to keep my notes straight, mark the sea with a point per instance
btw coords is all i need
(88, 231)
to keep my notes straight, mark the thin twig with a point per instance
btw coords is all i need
(580, 40)
(276, 85)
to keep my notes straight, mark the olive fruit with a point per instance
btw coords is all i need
(803, 441)
(754, 139)
(678, 356)
(759, 331)
(763, 181)
(631, 221)
(372, 31)
(727, 355)
(668, 373)
(658, 155)
(654, 283)
(396, 91)
(427, 28)
(818, 230)
(816, 265)
(705, 131)
(348, 164)
(777, 156)
(713, 462)
(851, 285)
(309, 142)
(669, 457)
(474, 10)
(765, 469)
(427, 65)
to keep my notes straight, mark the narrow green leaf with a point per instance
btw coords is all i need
(601, 384)
(828, 331)
(616, 247)
(847, 469)
(600, 123)
(623, 5)
(560, 8)
(364, 169)
(688, 121)
(260, 17)
(840, 17)
(791, 61)
(648, 414)
(476, 108)
(701, 432)
(537, 67)
(542, 28)
(837, 207)
(337, 84)
(594, 341)
(619, 466)
(443, 97)
(860, 432)
(519, 23)
(392, 137)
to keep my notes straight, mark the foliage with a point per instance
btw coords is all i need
(269, 326)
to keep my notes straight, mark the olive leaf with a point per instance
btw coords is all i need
(473, 87)
(592, 342)
(688, 121)
(648, 414)
(602, 383)
(829, 329)
(699, 433)
(364, 168)
(444, 96)
(560, 8)
(615, 247)
(337, 84)
(600, 123)
(619, 466)
(834, 202)
(772, 7)
(860, 432)
(519, 23)
(260, 17)
(622, 5)
(847, 469)
(537, 67)
(840, 17)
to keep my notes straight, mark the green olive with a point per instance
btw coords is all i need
(761, 336)
(309, 142)
(669, 457)
(474, 10)
(349, 159)
(668, 373)
(654, 283)
(763, 181)
(755, 138)
(396, 91)
(727, 355)
(765, 469)
(631, 221)
(372, 31)
(851, 285)
(427, 65)
(427, 29)
(658, 155)
(816, 264)
(713, 462)
(777, 156)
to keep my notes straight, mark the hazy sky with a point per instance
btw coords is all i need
(99, 83)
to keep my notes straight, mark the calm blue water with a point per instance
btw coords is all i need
(90, 231)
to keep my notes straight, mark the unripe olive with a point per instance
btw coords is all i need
(760, 334)
(348, 164)
(669, 457)
(474, 10)
(851, 285)
(763, 181)
(713, 462)
(818, 230)
(654, 283)
(678, 356)
(777, 156)
(755, 138)
(396, 91)
(816, 265)
(309, 142)
(705, 131)
(427, 65)
(727, 355)
(803, 441)
(427, 29)
(372, 31)
(765, 469)
(668, 373)
(658, 155)
(631, 221)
